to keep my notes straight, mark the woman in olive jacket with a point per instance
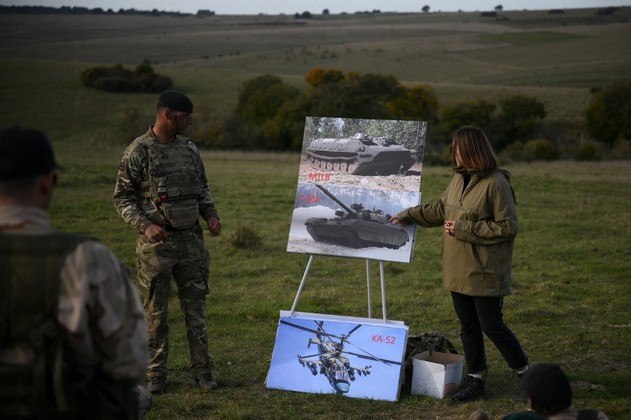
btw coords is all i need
(477, 212)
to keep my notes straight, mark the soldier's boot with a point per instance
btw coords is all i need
(157, 385)
(207, 382)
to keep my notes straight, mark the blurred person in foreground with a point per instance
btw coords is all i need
(162, 191)
(477, 213)
(73, 341)
(550, 397)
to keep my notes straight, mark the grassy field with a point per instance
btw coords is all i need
(570, 302)
(572, 256)
(462, 55)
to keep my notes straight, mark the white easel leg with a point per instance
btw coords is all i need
(368, 286)
(302, 283)
(383, 291)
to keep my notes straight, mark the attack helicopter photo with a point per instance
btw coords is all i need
(350, 359)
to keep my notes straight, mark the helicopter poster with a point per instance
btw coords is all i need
(329, 354)
(354, 175)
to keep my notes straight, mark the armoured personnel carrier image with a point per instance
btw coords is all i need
(356, 227)
(360, 155)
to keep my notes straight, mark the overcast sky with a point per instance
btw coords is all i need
(224, 7)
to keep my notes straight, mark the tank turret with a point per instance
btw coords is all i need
(356, 227)
(360, 155)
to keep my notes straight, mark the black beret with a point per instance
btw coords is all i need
(175, 100)
(24, 153)
(548, 387)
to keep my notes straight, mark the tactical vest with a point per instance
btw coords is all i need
(173, 182)
(31, 356)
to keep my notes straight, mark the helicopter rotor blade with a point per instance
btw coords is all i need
(311, 330)
(352, 331)
(314, 355)
(370, 356)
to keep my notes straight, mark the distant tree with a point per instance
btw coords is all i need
(257, 105)
(518, 119)
(205, 13)
(271, 114)
(317, 76)
(608, 115)
(306, 15)
(325, 12)
(466, 112)
(499, 8)
(426, 9)
(119, 79)
(414, 103)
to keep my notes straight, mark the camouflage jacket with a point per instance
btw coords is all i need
(99, 311)
(150, 190)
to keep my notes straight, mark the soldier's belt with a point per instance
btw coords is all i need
(170, 228)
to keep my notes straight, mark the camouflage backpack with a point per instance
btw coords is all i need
(31, 356)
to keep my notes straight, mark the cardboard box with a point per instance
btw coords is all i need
(436, 374)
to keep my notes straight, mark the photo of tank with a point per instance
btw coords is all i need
(353, 175)
(356, 227)
(346, 221)
(360, 154)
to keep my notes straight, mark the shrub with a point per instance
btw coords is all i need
(513, 152)
(114, 84)
(589, 151)
(455, 114)
(608, 115)
(245, 238)
(119, 79)
(540, 149)
(621, 150)
(518, 119)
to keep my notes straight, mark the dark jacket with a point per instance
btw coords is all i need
(477, 259)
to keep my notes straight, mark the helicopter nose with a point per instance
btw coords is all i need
(342, 387)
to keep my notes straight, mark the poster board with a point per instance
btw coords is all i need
(331, 354)
(354, 174)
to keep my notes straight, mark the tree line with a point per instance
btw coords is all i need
(270, 115)
(78, 10)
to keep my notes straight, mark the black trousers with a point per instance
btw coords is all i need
(480, 315)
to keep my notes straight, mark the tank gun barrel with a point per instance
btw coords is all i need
(334, 198)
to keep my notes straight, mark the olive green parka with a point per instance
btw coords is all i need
(477, 259)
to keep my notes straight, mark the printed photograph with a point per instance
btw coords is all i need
(353, 357)
(354, 175)
(347, 221)
(380, 154)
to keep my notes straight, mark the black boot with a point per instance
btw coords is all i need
(471, 389)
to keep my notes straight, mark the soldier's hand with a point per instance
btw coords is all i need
(156, 233)
(214, 226)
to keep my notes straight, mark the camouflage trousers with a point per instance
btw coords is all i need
(183, 257)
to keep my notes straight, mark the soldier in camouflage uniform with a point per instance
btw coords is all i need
(162, 190)
(95, 329)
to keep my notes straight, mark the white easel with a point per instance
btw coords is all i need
(383, 288)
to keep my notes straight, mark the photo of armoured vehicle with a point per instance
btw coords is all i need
(356, 227)
(360, 155)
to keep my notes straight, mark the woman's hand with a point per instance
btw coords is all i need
(450, 225)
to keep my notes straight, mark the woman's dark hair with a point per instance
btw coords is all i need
(474, 149)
